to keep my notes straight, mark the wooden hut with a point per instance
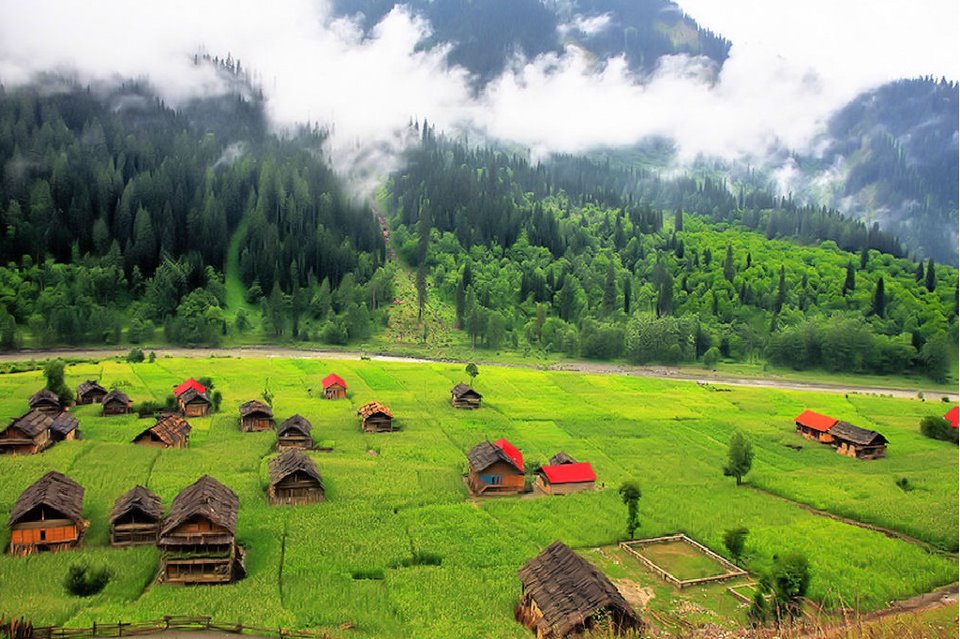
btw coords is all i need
(135, 518)
(815, 426)
(90, 392)
(294, 479)
(564, 479)
(198, 537)
(857, 442)
(186, 385)
(462, 396)
(194, 403)
(116, 402)
(45, 400)
(334, 387)
(294, 432)
(47, 516)
(27, 435)
(561, 458)
(376, 418)
(255, 416)
(64, 427)
(495, 469)
(564, 594)
(170, 431)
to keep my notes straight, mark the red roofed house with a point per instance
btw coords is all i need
(334, 387)
(953, 416)
(565, 479)
(495, 469)
(187, 385)
(815, 426)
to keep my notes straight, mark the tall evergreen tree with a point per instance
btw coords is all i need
(879, 299)
(919, 273)
(781, 291)
(626, 294)
(728, 268)
(931, 281)
(610, 290)
(850, 282)
(678, 219)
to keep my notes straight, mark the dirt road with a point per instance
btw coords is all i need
(658, 372)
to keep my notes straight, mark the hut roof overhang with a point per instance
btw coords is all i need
(44, 395)
(484, 455)
(192, 394)
(815, 421)
(64, 423)
(296, 424)
(860, 436)
(461, 390)
(188, 384)
(255, 407)
(88, 386)
(206, 498)
(54, 490)
(170, 429)
(33, 423)
(569, 473)
(332, 379)
(118, 396)
(137, 498)
(373, 408)
(291, 461)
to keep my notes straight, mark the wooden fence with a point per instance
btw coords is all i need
(18, 629)
(732, 570)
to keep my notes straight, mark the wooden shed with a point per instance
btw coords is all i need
(376, 418)
(495, 469)
(45, 400)
(815, 426)
(462, 396)
(90, 392)
(64, 427)
(170, 431)
(857, 442)
(294, 432)
(194, 403)
(294, 479)
(47, 516)
(116, 402)
(564, 479)
(135, 518)
(198, 537)
(561, 458)
(255, 416)
(334, 387)
(564, 594)
(186, 385)
(27, 435)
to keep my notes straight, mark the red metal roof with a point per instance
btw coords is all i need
(953, 416)
(511, 451)
(569, 473)
(187, 385)
(816, 421)
(332, 379)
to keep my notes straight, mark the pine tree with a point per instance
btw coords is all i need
(781, 292)
(931, 281)
(626, 294)
(919, 274)
(864, 257)
(728, 268)
(610, 290)
(879, 300)
(850, 282)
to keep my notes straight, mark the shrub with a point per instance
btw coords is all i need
(939, 428)
(711, 357)
(904, 484)
(82, 581)
(135, 356)
(734, 540)
(148, 407)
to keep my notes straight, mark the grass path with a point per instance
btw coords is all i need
(236, 291)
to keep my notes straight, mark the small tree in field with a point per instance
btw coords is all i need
(472, 371)
(630, 493)
(739, 457)
(734, 540)
(789, 580)
(53, 372)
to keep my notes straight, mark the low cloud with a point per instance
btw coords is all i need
(366, 87)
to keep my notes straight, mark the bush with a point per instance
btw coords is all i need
(734, 540)
(135, 356)
(939, 428)
(904, 484)
(148, 408)
(82, 581)
(711, 357)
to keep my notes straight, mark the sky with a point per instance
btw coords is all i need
(793, 63)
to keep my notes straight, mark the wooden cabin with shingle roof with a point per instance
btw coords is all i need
(46, 401)
(47, 516)
(333, 387)
(255, 416)
(64, 427)
(116, 402)
(90, 392)
(135, 518)
(495, 469)
(376, 418)
(294, 432)
(564, 594)
(194, 403)
(170, 431)
(27, 435)
(462, 396)
(198, 537)
(294, 479)
(857, 442)
(561, 458)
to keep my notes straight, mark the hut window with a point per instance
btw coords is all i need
(494, 480)
(43, 535)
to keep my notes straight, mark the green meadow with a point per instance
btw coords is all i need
(392, 495)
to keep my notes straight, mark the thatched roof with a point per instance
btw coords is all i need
(861, 436)
(461, 390)
(54, 490)
(137, 498)
(192, 394)
(290, 461)
(118, 396)
(484, 455)
(90, 385)
(205, 497)
(569, 590)
(561, 458)
(64, 423)
(33, 423)
(44, 395)
(297, 423)
(170, 429)
(253, 407)
(372, 408)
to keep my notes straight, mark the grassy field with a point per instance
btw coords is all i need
(682, 560)
(410, 497)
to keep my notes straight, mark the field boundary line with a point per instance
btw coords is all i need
(889, 532)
